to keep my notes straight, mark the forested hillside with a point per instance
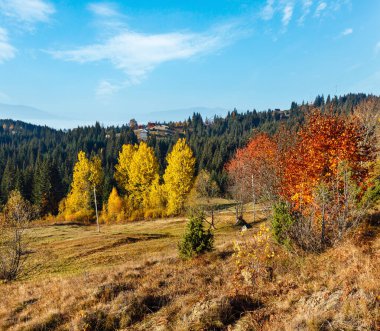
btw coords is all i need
(38, 161)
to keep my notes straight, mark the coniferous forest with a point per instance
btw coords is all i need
(38, 161)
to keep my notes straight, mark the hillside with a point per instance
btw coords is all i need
(289, 242)
(129, 277)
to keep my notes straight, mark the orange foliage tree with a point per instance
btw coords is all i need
(252, 171)
(325, 168)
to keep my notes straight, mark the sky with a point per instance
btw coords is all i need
(78, 62)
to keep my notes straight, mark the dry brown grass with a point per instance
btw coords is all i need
(130, 277)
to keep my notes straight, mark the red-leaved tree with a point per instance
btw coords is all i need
(324, 170)
(252, 172)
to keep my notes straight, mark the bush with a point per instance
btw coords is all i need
(82, 216)
(17, 214)
(153, 213)
(372, 195)
(282, 221)
(196, 239)
(254, 256)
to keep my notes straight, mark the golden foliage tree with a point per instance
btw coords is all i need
(123, 165)
(137, 174)
(79, 197)
(143, 170)
(16, 214)
(87, 176)
(95, 176)
(154, 204)
(114, 210)
(178, 176)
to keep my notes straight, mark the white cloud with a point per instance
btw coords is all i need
(106, 88)
(306, 5)
(287, 14)
(136, 54)
(103, 9)
(268, 11)
(320, 8)
(7, 51)
(347, 32)
(30, 11)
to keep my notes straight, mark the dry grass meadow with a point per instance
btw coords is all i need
(129, 277)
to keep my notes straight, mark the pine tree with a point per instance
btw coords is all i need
(8, 180)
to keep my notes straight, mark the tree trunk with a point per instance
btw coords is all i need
(323, 222)
(96, 211)
(253, 201)
(212, 219)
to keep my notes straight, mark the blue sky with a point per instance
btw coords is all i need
(83, 61)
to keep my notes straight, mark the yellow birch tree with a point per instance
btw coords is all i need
(178, 176)
(123, 165)
(143, 169)
(87, 176)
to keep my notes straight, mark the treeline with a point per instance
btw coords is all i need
(38, 161)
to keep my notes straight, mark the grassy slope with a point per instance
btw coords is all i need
(129, 276)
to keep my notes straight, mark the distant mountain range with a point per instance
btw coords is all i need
(24, 113)
(38, 116)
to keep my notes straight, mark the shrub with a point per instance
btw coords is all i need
(254, 256)
(17, 213)
(196, 239)
(153, 213)
(282, 221)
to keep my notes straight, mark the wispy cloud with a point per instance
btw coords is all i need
(7, 51)
(347, 32)
(103, 9)
(320, 8)
(287, 14)
(137, 54)
(306, 6)
(268, 11)
(29, 11)
(106, 89)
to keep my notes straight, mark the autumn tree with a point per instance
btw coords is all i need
(143, 170)
(114, 209)
(87, 176)
(253, 172)
(123, 165)
(95, 178)
(16, 215)
(323, 172)
(178, 176)
(367, 114)
(155, 201)
(137, 174)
